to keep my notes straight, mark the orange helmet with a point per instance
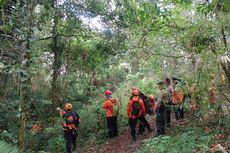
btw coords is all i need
(151, 97)
(68, 106)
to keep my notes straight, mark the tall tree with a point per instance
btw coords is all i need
(26, 9)
(57, 51)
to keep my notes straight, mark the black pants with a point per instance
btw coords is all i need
(70, 138)
(141, 127)
(160, 122)
(179, 113)
(168, 116)
(112, 126)
(160, 119)
(133, 123)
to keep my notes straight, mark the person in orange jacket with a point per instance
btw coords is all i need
(111, 107)
(152, 103)
(71, 121)
(136, 110)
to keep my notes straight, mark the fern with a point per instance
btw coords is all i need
(7, 148)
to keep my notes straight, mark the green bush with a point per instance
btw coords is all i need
(180, 140)
(7, 148)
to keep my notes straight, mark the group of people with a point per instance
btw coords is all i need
(138, 106)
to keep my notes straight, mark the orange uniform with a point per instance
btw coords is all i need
(108, 105)
(129, 107)
(152, 106)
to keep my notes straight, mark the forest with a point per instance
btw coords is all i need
(58, 51)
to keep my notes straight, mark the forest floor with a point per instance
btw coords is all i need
(123, 143)
(219, 138)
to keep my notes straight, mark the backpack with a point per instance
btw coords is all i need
(115, 107)
(136, 108)
(178, 94)
(71, 119)
(177, 97)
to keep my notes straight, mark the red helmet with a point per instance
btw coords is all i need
(108, 92)
(135, 92)
(151, 97)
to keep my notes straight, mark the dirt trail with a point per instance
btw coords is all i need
(123, 143)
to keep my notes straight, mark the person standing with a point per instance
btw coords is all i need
(152, 104)
(161, 108)
(136, 110)
(149, 109)
(178, 107)
(112, 110)
(170, 89)
(71, 121)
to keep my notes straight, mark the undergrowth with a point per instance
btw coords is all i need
(189, 139)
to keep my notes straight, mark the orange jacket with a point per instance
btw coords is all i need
(108, 106)
(129, 106)
(152, 106)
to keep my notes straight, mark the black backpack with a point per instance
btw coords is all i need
(136, 108)
(71, 118)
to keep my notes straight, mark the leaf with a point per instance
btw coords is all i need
(227, 5)
(7, 148)
(3, 3)
(1, 66)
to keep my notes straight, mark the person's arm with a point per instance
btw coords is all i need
(171, 89)
(159, 99)
(106, 104)
(77, 120)
(142, 106)
(128, 109)
(61, 111)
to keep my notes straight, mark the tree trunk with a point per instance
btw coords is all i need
(25, 84)
(55, 91)
(224, 67)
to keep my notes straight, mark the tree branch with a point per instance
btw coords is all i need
(224, 38)
(64, 35)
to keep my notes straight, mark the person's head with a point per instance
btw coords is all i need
(108, 93)
(167, 81)
(68, 106)
(160, 84)
(151, 98)
(135, 91)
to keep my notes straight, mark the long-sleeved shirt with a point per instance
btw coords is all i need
(129, 107)
(108, 106)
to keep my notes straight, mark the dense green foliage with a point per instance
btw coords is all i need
(54, 51)
(189, 139)
(5, 147)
